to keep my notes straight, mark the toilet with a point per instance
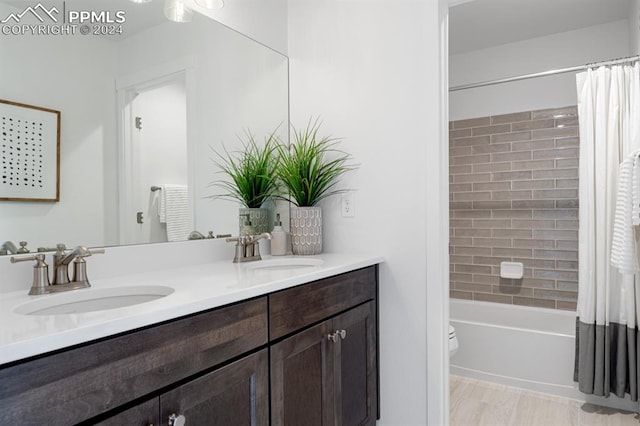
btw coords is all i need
(453, 341)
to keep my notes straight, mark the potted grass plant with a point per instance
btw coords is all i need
(251, 178)
(309, 170)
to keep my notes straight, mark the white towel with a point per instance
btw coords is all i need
(173, 209)
(623, 244)
(635, 190)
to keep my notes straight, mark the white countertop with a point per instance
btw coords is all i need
(196, 288)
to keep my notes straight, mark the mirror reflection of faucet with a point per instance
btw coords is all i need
(9, 247)
(61, 260)
(196, 235)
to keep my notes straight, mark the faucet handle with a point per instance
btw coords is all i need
(23, 248)
(37, 257)
(88, 252)
(60, 251)
(40, 272)
(80, 266)
(45, 249)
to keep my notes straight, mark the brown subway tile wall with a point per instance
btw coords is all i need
(514, 197)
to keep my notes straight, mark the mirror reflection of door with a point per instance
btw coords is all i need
(159, 155)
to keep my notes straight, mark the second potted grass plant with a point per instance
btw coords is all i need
(309, 170)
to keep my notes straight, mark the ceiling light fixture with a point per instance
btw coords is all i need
(140, 1)
(177, 11)
(210, 4)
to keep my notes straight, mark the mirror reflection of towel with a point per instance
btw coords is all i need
(173, 209)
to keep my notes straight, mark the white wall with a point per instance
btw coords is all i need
(262, 20)
(371, 71)
(68, 74)
(579, 47)
(634, 27)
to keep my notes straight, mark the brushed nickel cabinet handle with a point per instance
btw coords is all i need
(177, 420)
(338, 334)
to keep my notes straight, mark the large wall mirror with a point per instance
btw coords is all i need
(146, 105)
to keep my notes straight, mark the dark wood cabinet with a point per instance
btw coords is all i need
(356, 402)
(144, 414)
(302, 374)
(298, 307)
(237, 394)
(306, 355)
(326, 374)
(82, 383)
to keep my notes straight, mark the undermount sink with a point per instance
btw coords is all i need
(92, 299)
(285, 263)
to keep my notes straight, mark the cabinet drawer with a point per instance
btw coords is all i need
(77, 384)
(298, 307)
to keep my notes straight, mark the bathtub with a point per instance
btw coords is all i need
(530, 348)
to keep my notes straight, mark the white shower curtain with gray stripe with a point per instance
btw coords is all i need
(607, 346)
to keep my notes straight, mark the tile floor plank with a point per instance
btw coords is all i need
(479, 403)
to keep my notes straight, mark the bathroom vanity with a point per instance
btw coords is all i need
(277, 346)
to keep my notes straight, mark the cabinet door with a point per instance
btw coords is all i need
(144, 414)
(302, 387)
(237, 394)
(356, 383)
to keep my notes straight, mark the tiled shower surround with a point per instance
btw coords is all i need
(514, 197)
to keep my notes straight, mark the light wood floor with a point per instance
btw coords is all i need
(479, 403)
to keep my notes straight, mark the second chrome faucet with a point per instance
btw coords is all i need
(248, 247)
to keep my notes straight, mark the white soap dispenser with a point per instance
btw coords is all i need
(246, 228)
(280, 240)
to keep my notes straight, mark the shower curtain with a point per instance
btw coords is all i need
(607, 346)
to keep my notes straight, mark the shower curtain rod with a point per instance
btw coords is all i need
(544, 73)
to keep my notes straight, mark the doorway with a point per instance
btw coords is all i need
(154, 124)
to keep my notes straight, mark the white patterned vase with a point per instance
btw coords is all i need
(259, 219)
(306, 230)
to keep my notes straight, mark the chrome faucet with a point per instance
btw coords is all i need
(248, 247)
(9, 246)
(61, 261)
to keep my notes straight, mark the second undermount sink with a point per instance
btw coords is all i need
(285, 263)
(93, 299)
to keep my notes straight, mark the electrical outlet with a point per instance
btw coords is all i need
(348, 205)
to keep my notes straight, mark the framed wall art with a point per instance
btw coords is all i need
(30, 153)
